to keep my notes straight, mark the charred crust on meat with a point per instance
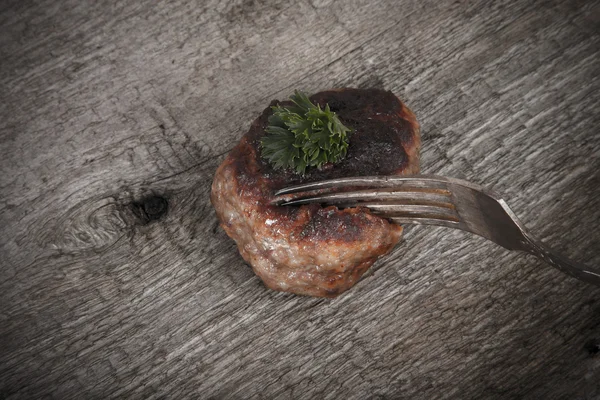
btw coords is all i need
(312, 250)
(333, 224)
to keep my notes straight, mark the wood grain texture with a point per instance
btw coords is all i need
(116, 282)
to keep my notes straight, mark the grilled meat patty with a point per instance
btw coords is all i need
(313, 250)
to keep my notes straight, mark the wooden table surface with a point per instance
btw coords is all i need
(116, 281)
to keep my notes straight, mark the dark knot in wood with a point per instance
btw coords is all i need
(150, 208)
(593, 347)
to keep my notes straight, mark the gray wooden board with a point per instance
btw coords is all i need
(104, 105)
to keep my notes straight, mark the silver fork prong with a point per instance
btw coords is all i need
(426, 221)
(422, 181)
(416, 210)
(418, 194)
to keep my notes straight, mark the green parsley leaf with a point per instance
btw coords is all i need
(304, 135)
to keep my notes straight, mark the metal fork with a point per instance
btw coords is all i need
(435, 200)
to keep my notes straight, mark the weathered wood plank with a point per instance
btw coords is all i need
(115, 280)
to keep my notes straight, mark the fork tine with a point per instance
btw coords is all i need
(415, 210)
(434, 196)
(426, 221)
(420, 181)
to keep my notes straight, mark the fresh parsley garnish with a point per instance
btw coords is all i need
(304, 135)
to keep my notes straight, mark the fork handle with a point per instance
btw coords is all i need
(561, 262)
